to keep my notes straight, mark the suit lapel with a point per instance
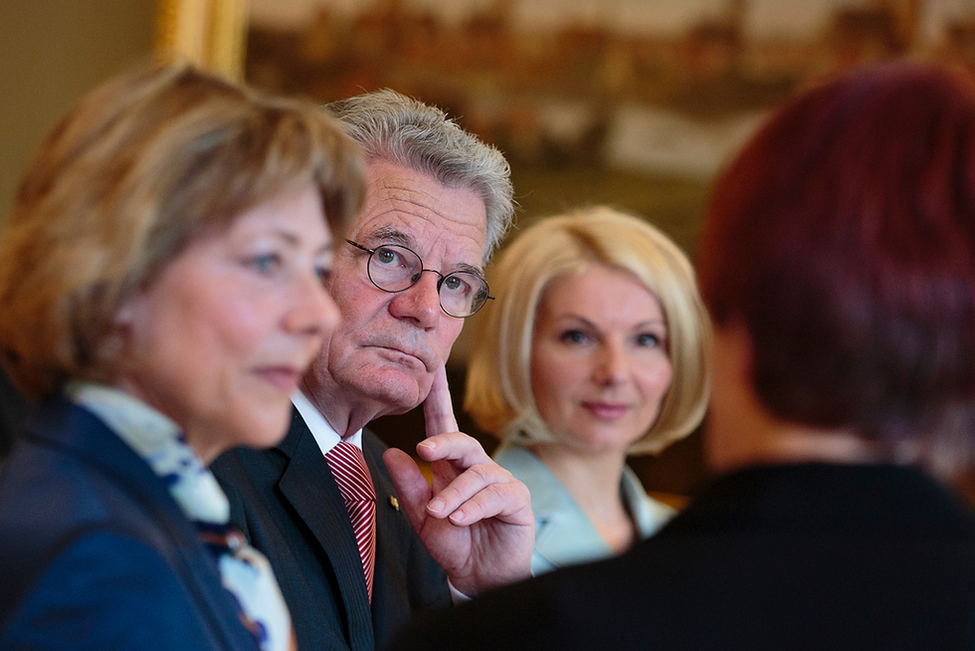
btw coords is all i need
(308, 486)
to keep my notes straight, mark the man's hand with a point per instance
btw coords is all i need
(476, 521)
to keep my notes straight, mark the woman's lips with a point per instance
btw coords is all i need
(605, 410)
(285, 379)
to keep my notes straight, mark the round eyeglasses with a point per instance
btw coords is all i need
(394, 268)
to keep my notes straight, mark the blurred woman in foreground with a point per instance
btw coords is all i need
(595, 351)
(161, 292)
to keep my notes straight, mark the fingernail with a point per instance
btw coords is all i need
(429, 445)
(436, 505)
(457, 517)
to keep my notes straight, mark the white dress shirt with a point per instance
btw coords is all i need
(325, 435)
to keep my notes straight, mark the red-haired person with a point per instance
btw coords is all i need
(838, 264)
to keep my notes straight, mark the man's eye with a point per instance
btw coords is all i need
(457, 285)
(387, 256)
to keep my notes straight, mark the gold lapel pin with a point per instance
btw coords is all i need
(394, 502)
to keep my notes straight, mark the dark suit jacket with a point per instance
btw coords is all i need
(96, 554)
(789, 557)
(290, 508)
(14, 408)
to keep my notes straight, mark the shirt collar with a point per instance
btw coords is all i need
(325, 435)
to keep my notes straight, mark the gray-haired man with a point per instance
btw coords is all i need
(438, 202)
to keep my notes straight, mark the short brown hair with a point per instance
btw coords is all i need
(136, 170)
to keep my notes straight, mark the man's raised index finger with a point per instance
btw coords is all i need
(438, 410)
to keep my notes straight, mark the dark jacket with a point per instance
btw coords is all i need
(286, 502)
(788, 557)
(96, 554)
(14, 409)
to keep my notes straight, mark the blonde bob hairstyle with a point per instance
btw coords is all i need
(140, 167)
(499, 394)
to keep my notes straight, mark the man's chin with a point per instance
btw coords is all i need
(399, 392)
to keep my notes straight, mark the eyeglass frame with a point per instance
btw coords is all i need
(417, 275)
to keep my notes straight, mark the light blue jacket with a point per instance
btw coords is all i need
(563, 533)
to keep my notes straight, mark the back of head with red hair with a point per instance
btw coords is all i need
(842, 239)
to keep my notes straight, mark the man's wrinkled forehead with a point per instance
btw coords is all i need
(403, 202)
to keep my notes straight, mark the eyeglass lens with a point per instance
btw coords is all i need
(396, 268)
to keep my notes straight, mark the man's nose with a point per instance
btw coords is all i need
(420, 303)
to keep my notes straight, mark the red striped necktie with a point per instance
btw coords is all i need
(352, 476)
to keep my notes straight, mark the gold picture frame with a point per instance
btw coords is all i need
(210, 34)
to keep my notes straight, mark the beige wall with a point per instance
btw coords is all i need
(51, 53)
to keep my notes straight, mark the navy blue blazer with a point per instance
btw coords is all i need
(14, 409)
(813, 557)
(289, 506)
(96, 554)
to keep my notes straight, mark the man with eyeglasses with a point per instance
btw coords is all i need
(438, 203)
(394, 268)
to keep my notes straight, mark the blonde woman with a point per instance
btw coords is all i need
(596, 350)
